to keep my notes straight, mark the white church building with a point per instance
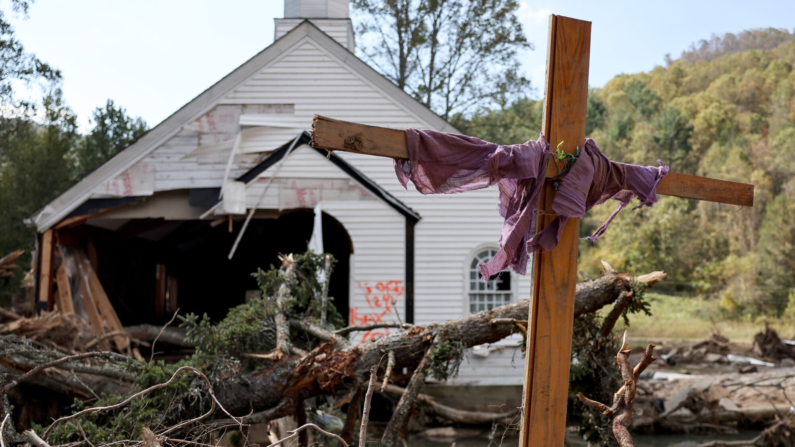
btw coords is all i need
(154, 225)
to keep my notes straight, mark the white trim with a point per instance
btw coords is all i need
(466, 267)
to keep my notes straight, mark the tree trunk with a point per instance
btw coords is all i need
(307, 377)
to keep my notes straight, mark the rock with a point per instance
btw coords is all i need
(748, 369)
(787, 363)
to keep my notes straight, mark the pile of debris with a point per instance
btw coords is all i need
(770, 346)
(64, 333)
(714, 349)
(272, 357)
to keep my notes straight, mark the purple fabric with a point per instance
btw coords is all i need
(447, 163)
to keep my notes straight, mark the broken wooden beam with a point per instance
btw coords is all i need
(337, 135)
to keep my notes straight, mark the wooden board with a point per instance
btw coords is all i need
(89, 305)
(106, 310)
(551, 317)
(45, 272)
(331, 134)
(65, 304)
(702, 188)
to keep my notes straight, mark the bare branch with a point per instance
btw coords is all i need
(402, 413)
(3, 430)
(610, 321)
(324, 293)
(620, 413)
(147, 391)
(367, 327)
(389, 365)
(598, 406)
(366, 412)
(319, 332)
(35, 440)
(152, 355)
(57, 362)
(297, 431)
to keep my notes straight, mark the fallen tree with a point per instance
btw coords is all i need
(273, 354)
(326, 369)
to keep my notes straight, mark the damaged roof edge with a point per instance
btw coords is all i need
(346, 167)
(49, 215)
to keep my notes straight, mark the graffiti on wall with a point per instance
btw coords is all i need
(381, 299)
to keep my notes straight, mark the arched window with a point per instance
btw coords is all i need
(495, 292)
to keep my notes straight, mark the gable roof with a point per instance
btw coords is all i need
(75, 196)
(346, 167)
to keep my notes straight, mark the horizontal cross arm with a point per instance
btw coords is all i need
(704, 188)
(336, 135)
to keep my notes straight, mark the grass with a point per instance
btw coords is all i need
(675, 317)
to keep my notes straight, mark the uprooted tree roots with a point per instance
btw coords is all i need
(272, 357)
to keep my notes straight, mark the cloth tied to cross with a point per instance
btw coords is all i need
(442, 163)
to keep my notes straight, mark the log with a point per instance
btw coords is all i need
(266, 390)
(262, 390)
(452, 414)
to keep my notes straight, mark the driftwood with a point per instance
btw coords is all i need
(620, 413)
(452, 414)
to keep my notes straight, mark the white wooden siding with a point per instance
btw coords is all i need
(377, 230)
(339, 29)
(503, 366)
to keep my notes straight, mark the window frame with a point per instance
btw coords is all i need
(466, 276)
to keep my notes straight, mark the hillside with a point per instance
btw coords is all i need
(728, 116)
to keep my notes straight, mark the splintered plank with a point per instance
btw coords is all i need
(703, 188)
(105, 308)
(337, 135)
(89, 304)
(45, 273)
(65, 304)
(551, 316)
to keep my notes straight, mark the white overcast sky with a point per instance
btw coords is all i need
(153, 56)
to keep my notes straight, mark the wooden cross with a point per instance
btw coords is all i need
(551, 316)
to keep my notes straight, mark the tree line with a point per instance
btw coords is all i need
(42, 151)
(727, 115)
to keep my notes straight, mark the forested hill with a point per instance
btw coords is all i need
(717, 111)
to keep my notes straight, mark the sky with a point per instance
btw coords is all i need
(153, 56)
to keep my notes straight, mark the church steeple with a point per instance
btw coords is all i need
(316, 9)
(331, 16)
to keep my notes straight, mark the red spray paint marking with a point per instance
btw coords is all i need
(380, 302)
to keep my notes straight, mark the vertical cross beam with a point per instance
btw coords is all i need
(551, 318)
